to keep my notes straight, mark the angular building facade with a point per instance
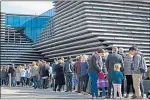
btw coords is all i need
(15, 47)
(18, 34)
(80, 27)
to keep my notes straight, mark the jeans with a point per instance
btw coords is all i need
(69, 81)
(35, 81)
(74, 81)
(3, 81)
(103, 91)
(23, 81)
(79, 83)
(122, 87)
(94, 77)
(45, 83)
(109, 87)
(89, 86)
(142, 88)
(28, 81)
(84, 82)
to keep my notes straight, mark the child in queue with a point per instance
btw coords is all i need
(117, 77)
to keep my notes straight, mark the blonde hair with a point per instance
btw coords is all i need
(117, 67)
(60, 61)
(84, 58)
(18, 69)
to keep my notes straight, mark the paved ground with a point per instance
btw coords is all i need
(19, 93)
(40, 94)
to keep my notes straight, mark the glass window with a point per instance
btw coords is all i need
(10, 20)
(16, 21)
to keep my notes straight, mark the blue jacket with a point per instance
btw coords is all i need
(84, 68)
(117, 77)
(53, 66)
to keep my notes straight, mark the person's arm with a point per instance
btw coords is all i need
(107, 63)
(95, 61)
(87, 65)
(121, 74)
(136, 62)
(64, 67)
(122, 64)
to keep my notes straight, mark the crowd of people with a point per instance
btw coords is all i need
(87, 75)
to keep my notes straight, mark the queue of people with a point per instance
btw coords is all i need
(87, 75)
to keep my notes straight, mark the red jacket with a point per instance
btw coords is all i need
(77, 67)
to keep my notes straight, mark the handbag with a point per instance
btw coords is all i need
(102, 83)
(101, 75)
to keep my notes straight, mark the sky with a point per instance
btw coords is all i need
(26, 7)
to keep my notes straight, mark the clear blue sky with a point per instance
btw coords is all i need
(26, 7)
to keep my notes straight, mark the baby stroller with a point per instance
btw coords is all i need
(102, 84)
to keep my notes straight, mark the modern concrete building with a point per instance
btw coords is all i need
(80, 27)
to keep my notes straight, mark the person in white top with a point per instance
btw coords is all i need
(23, 75)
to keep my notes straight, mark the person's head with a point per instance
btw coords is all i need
(77, 58)
(100, 51)
(121, 50)
(60, 61)
(29, 66)
(117, 67)
(18, 69)
(34, 63)
(55, 60)
(48, 63)
(114, 50)
(1, 67)
(44, 63)
(63, 59)
(69, 58)
(133, 50)
(23, 67)
(84, 58)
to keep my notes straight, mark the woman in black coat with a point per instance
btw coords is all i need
(59, 75)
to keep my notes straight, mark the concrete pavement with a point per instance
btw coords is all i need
(24, 93)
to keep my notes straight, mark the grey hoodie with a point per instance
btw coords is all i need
(68, 66)
(137, 63)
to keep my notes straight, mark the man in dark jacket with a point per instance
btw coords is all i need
(121, 52)
(45, 75)
(12, 71)
(68, 70)
(111, 60)
(95, 66)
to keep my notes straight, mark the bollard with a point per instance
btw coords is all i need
(9, 79)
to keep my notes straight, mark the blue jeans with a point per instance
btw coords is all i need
(142, 88)
(94, 77)
(35, 81)
(109, 87)
(103, 92)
